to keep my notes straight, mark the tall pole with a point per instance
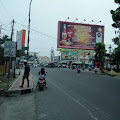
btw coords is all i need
(28, 31)
(16, 46)
(0, 30)
(10, 57)
(119, 34)
(12, 30)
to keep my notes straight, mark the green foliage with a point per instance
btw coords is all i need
(100, 51)
(20, 53)
(116, 40)
(2, 41)
(100, 54)
(117, 1)
(1, 55)
(115, 56)
(116, 17)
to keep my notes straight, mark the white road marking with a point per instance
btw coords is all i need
(75, 100)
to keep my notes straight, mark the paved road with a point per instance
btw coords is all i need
(73, 96)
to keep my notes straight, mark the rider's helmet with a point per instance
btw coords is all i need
(25, 62)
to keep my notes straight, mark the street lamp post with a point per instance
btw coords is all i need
(75, 19)
(67, 19)
(97, 22)
(91, 21)
(28, 31)
(83, 20)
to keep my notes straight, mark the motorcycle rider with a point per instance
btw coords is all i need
(78, 67)
(42, 72)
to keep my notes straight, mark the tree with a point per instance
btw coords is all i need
(2, 41)
(116, 19)
(116, 57)
(100, 54)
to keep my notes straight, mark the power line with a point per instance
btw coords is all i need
(23, 22)
(37, 31)
(5, 29)
(5, 24)
(5, 8)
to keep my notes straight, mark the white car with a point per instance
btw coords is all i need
(34, 65)
(96, 69)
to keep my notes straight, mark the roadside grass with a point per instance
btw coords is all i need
(4, 82)
(110, 75)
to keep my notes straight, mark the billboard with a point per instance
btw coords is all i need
(69, 55)
(21, 39)
(79, 36)
(75, 50)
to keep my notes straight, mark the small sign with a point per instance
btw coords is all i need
(25, 48)
(10, 49)
(19, 40)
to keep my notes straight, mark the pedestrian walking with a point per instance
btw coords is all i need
(26, 74)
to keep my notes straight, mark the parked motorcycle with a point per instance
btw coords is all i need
(41, 82)
(78, 70)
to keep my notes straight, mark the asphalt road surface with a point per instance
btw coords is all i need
(77, 96)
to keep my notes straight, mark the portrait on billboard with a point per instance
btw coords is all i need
(79, 36)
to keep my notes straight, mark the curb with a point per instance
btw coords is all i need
(14, 81)
(20, 91)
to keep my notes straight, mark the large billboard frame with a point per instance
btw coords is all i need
(77, 47)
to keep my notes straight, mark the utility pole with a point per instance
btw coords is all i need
(0, 30)
(28, 31)
(119, 34)
(12, 30)
(13, 63)
(110, 49)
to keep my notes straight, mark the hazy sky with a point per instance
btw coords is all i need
(45, 15)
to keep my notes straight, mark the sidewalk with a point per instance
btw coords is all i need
(16, 90)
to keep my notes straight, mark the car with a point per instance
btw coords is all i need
(34, 65)
(38, 65)
(64, 66)
(51, 65)
(96, 70)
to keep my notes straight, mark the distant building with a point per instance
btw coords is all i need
(56, 58)
(44, 59)
(33, 54)
(52, 56)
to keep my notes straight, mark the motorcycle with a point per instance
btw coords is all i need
(78, 70)
(41, 82)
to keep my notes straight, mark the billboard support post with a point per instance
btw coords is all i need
(78, 56)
